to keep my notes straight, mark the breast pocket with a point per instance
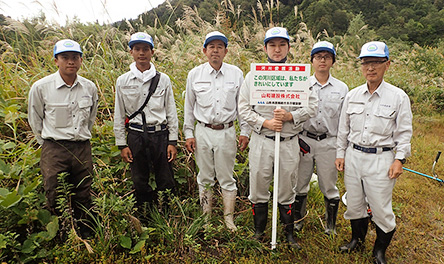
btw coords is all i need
(204, 98)
(157, 100)
(332, 106)
(85, 109)
(59, 114)
(356, 115)
(384, 122)
(230, 96)
(130, 96)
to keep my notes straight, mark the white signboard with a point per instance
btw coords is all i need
(279, 84)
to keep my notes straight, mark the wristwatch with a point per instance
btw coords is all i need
(402, 161)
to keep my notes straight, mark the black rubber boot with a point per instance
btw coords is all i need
(299, 208)
(85, 229)
(260, 215)
(146, 203)
(164, 199)
(83, 218)
(331, 212)
(359, 231)
(382, 242)
(287, 220)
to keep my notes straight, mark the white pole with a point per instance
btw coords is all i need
(275, 187)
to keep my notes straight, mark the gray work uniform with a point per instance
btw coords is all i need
(149, 149)
(380, 122)
(261, 155)
(131, 92)
(62, 117)
(320, 134)
(61, 112)
(211, 99)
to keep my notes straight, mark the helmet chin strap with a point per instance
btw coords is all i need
(273, 61)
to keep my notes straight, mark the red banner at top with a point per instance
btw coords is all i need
(280, 68)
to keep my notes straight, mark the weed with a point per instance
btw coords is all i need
(176, 231)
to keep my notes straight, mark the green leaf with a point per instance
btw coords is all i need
(53, 227)
(146, 233)
(9, 145)
(3, 242)
(125, 242)
(42, 253)
(32, 186)
(28, 246)
(44, 235)
(4, 168)
(3, 191)
(29, 216)
(11, 199)
(138, 247)
(44, 216)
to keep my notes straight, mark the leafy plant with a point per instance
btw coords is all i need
(177, 232)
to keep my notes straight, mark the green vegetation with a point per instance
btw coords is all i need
(416, 21)
(30, 234)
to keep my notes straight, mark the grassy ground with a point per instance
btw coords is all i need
(417, 202)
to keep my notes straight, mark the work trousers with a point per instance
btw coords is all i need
(366, 175)
(215, 156)
(261, 158)
(150, 156)
(74, 158)
(322, 155)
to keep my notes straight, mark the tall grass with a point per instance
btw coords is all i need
(181, 235)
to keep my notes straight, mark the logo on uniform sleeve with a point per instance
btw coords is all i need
(68, 44)
(372, 48)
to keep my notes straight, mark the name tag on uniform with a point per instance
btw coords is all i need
(130, 89)
(230, 85)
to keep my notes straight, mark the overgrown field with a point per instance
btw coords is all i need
(28, 233)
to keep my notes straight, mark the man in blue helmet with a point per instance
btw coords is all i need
(320, 134)
(145, 105)
(61, 112)
(210, 111)
(265, 121)
(375, 129)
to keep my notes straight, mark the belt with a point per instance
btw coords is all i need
(219, 126)
(149, 128)
(64, 141)
(370, 150)
(281, 138)
(314, 136)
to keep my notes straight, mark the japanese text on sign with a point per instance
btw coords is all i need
(280, 84)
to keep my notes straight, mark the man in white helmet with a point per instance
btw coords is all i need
(265, 121)
(375, 130)
(320, 134)
(210, 111)
(61, 112)
(146, 109)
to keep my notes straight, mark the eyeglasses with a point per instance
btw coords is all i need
(373, 64)
(320, 57)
